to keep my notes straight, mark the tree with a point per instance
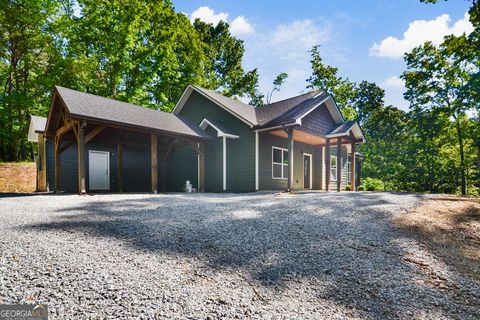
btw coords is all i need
(326, 78)
(257, 98)
(223, 61)
(26, 50)
(435, 80)
(277, 84)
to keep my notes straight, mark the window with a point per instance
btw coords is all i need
(279, 163)
(333, 168)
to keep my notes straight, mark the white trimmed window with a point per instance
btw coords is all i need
(333, 168)
(279, 163)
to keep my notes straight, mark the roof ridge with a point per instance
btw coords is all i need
(115, 100)
(300, 95)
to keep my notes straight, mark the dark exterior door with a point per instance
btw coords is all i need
(307, 171)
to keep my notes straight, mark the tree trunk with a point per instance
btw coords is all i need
(462, 156)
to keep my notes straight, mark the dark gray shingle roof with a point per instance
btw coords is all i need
(291, 109)
(243, 110)
(274, 110)
(85, 105)
(343, 128)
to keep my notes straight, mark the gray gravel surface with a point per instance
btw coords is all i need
(202, 256)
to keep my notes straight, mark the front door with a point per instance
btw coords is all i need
(307, 171)
(99, 170)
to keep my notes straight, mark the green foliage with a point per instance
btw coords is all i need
(361, 188)
(372, 184)
(138, 51)
(348, 187)
(258, 98)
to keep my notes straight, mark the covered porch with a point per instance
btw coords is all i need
(344, 137)
(112, 155)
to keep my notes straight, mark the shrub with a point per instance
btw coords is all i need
(372, 184)
(361, 188)
(348, 188)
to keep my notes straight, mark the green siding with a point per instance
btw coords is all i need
(240, 152)
(266, 182)
(181, 166)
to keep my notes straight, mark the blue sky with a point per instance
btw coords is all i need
(365, 39)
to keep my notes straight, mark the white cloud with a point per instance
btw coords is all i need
(303, 33)
(284, 48)
(208, 15)
(418, 32)
(240, 25)
(393, 82)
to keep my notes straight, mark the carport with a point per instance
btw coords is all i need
(80, 119)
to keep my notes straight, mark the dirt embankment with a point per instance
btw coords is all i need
(17, 177)
(450, 227)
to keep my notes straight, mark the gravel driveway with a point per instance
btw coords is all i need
(314, 255)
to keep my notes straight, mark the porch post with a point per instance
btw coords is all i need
(290, 159)
(339, 164)
(327, 165)
(81, 159)
(153, 152)
(57, 142)
(352, 168)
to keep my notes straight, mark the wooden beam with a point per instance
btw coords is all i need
(154, 165)
(82, 189)
(352, 167)
(328, 162)
(67, 145)
(120, 166)
(92, 134)
(67, 127)
(290, 159)
(339, 164)
(57, 141)
(163, 168)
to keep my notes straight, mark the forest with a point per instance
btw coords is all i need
(146, 53)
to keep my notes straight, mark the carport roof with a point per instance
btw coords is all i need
(87, 106)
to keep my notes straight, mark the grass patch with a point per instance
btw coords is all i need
(17, 177)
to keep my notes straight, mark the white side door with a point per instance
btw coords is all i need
(99, 170)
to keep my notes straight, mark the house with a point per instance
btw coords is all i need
(90, 143)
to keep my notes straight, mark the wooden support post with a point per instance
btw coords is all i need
(163, 169)
(119, 166)
(352, 168)
(154, 171)
(328, 162)
(339, 164)
(57, 141)
(290, 159)
(82, 189)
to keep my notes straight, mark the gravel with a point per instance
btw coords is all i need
(208, 256)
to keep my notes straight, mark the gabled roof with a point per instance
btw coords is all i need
(277, 113)
(274, 110)
(37, 125)
(222, 131)
(345, 128)
(88, 106)
(241, 110)
(295, 111)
